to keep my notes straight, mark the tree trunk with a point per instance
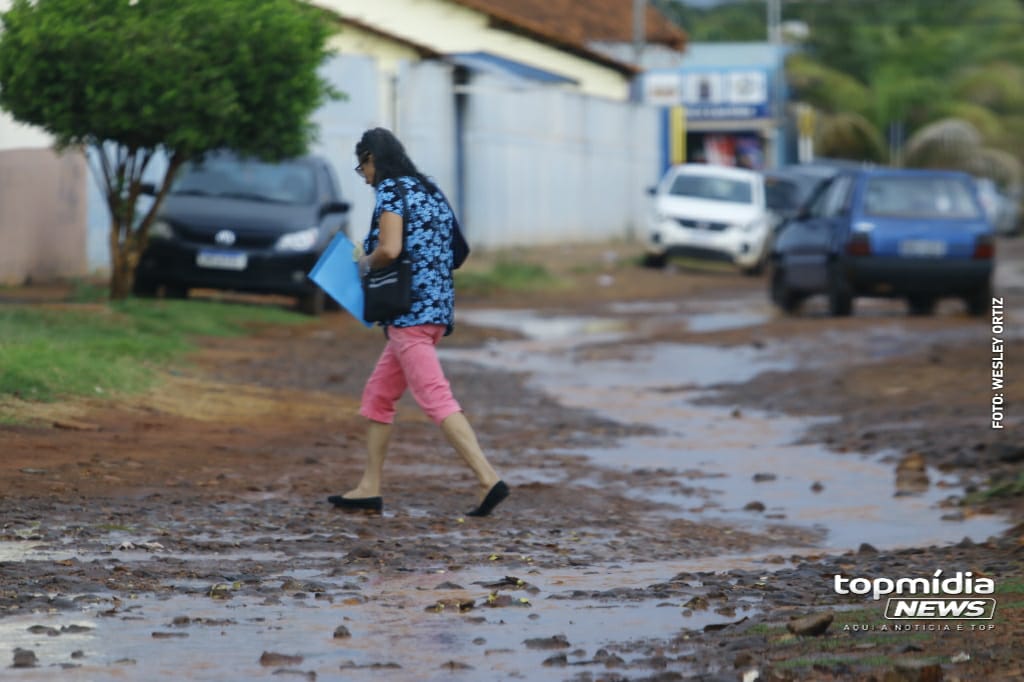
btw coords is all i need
(124, 241)
(127, 240)
(121, 274)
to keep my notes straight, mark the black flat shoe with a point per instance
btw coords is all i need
(368, 504)
(494, 497)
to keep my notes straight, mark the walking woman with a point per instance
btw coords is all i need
(409, 359)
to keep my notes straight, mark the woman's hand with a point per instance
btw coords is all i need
(361, 260)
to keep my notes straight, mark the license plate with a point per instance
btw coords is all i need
(222, 260)
(928, 248)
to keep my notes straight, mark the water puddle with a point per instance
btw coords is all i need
(390, 622)
(749, 469)
(551, 328)
(715, 322)
(628, 318)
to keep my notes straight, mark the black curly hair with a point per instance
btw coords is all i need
(389, 157)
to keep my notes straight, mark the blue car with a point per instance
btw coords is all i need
(920, 235)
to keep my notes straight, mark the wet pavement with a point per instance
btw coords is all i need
(742, 466)
(384, 621)
(257, 593)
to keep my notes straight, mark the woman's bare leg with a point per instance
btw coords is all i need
(378, 435)
(459, 433)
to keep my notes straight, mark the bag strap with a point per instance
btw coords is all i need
(459, 246)
(405, 214)
(457, 243)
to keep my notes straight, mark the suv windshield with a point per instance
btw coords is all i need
(918, 197)
(782, 195)
(285, 183)
(715, 189)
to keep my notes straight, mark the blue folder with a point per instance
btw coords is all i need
(338, 275)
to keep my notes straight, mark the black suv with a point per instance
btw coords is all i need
(244, 225)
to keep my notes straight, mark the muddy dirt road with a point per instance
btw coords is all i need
(689, 472)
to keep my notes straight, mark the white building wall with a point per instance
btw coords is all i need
(387, 57)
(14, 135)
(341, 124)
(426, 121)
(547, 166)
(542, 165)
(448, 27)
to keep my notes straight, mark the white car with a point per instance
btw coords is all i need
(711, 212)
(1001, 209)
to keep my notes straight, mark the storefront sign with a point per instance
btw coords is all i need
(711, 94)
(726, 94)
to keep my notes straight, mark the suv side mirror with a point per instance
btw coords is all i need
(652, 190)
(147, 188)
(335, 207)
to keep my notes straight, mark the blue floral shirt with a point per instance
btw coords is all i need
(428, 242)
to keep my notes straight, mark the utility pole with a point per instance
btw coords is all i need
(639, 31)
(774, 23)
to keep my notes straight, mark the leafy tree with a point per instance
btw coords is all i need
(131, 78)
(848, 135)
(954, 143)
(871, 64)
(827, 89)
(743, 20)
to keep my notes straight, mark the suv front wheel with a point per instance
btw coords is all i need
(979, 303)
(144, 287)
(840, 298)
(785, 298)
(655, 260)
(313, 303)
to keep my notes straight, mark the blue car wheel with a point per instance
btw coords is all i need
(785, 298)
(840, 298)
(979, 303)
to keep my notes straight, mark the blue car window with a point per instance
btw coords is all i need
(919, 197)
(833, 199)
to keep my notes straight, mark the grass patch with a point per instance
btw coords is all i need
(114, 527)
(47, 353)
(854, 660)
(767, 629)
(700, 264)
(1000, 489)
(1012, 586)
(834, 661)
(505, 275)
(88, 291)
(869, 621)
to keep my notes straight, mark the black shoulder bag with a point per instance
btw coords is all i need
(460, 247)
(387, 291)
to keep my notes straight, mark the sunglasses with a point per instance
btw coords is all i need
(362, 161)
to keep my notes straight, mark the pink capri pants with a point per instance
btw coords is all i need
(409, 360)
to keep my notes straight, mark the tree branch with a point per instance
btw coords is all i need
(175, 162)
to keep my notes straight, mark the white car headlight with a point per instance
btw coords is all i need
(303, 240)
(161, 229)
